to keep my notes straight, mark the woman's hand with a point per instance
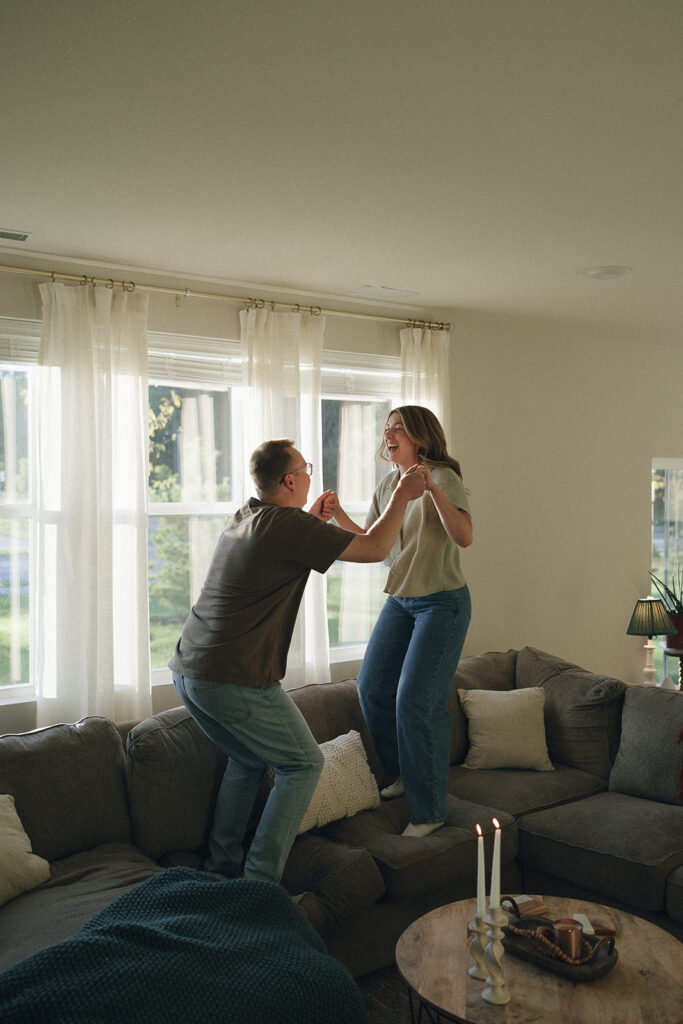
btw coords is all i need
(456, 522)
(429, 482)
(330, 504)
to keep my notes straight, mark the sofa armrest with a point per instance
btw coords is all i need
(331, 881)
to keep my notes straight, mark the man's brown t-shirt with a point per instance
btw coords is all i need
(240, 628)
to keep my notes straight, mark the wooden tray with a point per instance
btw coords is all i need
(604, 958)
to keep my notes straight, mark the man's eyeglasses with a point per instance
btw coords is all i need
(307, 466)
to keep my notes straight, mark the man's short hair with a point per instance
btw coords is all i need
(269, 463)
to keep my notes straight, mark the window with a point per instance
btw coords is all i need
(354, 590)
(357, 394)
(667, 536)
(190, 483)
(196, 482)
(18, 350)
(15, 516)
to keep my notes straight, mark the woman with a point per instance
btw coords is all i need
(415, 646)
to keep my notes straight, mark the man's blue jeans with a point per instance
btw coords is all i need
(256, 728)
(403, 685)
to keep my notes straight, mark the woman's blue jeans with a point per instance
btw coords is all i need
(403, 685)
(256, 728)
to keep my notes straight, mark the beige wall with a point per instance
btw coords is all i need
(555, 426)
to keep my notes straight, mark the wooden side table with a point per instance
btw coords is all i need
(645, 986)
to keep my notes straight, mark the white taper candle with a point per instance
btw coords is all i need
(481, 875)
(495, 867)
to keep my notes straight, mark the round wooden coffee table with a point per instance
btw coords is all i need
(645, 986)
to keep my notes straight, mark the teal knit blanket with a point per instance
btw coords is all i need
(186, 946)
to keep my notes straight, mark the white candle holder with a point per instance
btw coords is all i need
(478, 969)
(495, 991)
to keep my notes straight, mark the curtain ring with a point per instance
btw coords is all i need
(128, 286)
(84, 280)
(316, 310)
(109, 283)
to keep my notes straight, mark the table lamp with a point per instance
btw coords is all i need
(650, 618)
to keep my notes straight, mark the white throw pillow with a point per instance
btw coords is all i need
(20, 868)
(506, 728)
(346, 784)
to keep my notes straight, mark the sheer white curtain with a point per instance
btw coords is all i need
(282, 354)
(91, 613)
(425, 372)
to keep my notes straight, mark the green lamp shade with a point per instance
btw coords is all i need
(650, 618)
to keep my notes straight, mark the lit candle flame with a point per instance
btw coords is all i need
(478, 828)
(496, 822)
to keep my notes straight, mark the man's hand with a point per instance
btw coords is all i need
(413, 483)
(323, 506)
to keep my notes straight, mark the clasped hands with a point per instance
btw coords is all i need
(415, 481)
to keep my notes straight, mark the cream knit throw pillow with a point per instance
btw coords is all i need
(20, 868)
(346, 784)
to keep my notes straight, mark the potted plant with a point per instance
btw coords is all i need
(672, 599)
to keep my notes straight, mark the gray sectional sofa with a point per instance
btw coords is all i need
(110, 806)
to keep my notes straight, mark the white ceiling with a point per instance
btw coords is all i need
(477, 153)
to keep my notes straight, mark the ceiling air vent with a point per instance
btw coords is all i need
(14, 236)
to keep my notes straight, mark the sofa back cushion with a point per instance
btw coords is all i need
(333, 709)
(174, 772)
(649, 761)
(582, 711)
(494, 670)
(68, 784)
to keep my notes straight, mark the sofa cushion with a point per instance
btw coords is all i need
(494, 670)
(411, 866)
(650, 755)
(674, 895)
(582, 710)
(616, 845)
(331, 709)
(174, 772)
(79, 886)
(333, 881)
(533, 667)
(519, 791)
(506, 730)
(68, 784)
(20, 868)
(346, 784)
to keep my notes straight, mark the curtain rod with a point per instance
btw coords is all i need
(295, 307)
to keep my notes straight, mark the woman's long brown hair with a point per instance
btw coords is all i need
(424, 430)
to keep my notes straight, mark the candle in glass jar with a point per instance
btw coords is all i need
(481, 875)
(495, 868)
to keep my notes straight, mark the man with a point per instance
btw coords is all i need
(233, 650)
